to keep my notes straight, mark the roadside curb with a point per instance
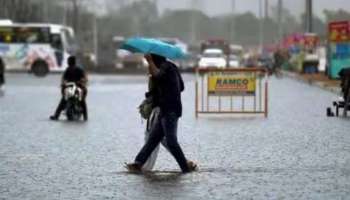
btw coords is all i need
(319, 84)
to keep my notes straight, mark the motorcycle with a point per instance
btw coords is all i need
(73, 96)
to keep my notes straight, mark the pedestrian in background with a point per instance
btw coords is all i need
(2, 73)
(344, 75)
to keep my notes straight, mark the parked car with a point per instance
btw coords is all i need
(234, 61)
(212, 58)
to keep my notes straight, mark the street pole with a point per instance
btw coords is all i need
(47, 11)
(261, 26)
(309, 16)
(156, 3)
(64, 15)
(75, 15)
(280, 19)
(193, 24)
(3, 8)
(266, 9)
(95, 39)
(232, 36)
(266, 17)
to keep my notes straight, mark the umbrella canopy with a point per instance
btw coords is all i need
(153, 46)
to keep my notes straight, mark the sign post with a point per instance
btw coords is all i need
(237, 91)
(338, 47)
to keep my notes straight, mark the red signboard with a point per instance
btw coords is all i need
(339, 31)
(307, 40)
(311, 40)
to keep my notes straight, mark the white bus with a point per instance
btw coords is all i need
(37, 48)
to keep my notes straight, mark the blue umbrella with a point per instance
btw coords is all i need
(153, 46)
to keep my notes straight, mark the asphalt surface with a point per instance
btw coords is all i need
(297, 153)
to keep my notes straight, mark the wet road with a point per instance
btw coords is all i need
(297, 153)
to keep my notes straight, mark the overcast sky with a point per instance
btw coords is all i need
(218, 7)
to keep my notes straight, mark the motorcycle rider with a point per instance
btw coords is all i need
(77, 75)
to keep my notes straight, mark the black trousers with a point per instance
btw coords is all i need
(165, 127)
(2, 78)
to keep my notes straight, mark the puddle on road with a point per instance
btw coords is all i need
(174, 172)
(160, 173)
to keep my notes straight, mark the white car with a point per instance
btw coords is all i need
(234, 61)
(212, 58)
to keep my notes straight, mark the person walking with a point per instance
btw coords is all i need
(168, 85)
(344, 75)
(2, 73)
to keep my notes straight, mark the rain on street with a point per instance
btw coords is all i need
(296, 153)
